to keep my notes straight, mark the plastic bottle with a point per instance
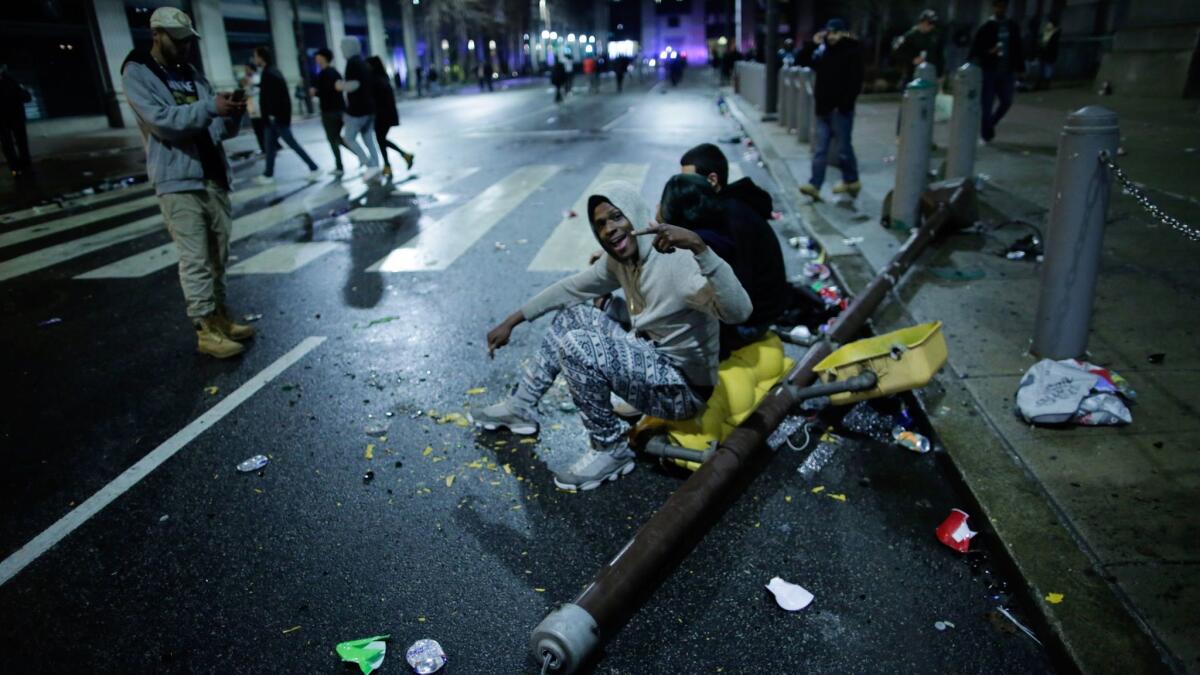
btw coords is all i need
(253, 464)
(910, 440)
(426, 656)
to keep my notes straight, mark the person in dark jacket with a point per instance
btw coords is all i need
(14, 141)
(276, 106)
(922, 43)
(386, 115)
(333, 106)
(997, 50)
(757, 259)
(558, 78)
(1048, 52)
(836, 58)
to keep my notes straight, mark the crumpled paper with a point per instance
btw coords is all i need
(789, 596)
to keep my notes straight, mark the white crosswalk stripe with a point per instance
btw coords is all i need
(569, 245)
(161, 257)
(67, 223)
(285, 258)
(58, 253)
(439, 245)
(88, 200)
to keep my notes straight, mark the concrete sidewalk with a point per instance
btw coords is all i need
(1105, 516)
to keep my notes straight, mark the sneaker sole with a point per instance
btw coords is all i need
(622, 470)
(518, 430)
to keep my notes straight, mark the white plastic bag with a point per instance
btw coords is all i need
(1054, 392)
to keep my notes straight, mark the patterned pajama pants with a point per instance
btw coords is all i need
(597, 357)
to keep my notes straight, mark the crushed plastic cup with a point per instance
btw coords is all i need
(953, 531)
(910, 440)
(253, 464)
(426, 656)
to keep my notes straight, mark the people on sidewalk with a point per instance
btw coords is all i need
(678, 291)
(996, 49)
(386, 115)
(333, 106)
(360, 104)
(276, 106)
(183, 123)
(14, 138)
(757, 257)
(486, 72)
(836, 59)
(252, 86)
(1047, 52)
(621, 68)
(923, 43)
(569, 66)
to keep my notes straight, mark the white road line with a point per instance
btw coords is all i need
(439, 245)
(735, 172)
(16, 562)
(433, 181)
(617, 120)
(53, 255)
(284, 259)
(71, 222)
(162, 257)
(89, 200)
(569, 245)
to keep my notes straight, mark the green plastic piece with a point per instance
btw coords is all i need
(954, 274)
(367, 652)
(918, 83)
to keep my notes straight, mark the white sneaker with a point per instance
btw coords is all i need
(623, 408)
(264, 180)
(595, 467)
(503, 415)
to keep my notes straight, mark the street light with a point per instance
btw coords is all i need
(592, 39)
(571, 37)
(545, 35)
(553, 35)
(492, 45)
(445, 44)
(470, 44)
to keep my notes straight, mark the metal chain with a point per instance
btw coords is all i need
(1139, 195)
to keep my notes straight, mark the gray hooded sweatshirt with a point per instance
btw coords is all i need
(676, 300)
(179, 128)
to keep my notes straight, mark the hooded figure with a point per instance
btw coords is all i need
(678, 291)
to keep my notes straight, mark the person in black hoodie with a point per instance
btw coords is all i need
(997, 50)
(276, 106)
(13, 139)
(836, 58)
(757, 258)
(386, 115)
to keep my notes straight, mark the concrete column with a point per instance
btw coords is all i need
(377, 34)
(771, 45)
(283, 41)
(213, 44)
(411, 58)
(335, 30)
(113, 41)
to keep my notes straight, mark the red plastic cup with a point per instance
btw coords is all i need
(954, 532)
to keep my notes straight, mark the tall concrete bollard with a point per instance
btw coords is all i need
(965, 119)
(782, 105)
(1075, 233)
(926, 71)
(912, 159)
(804, 104)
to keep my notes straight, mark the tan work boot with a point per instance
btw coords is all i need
(211, 340)
(850, 188)
(235, 331)
(810, 190)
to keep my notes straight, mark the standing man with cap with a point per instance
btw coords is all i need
(183, 122)
(997, 50)
(922, 43)
(836, 59)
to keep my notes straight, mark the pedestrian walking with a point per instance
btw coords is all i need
(836, 60)
(360, 104)
(621, 67)
(592, 73)
(486, 73)
(434, 88)
(420, 80)
(333, 106)
(1048, 52)
(276, 108)
(183, 122)
(14, 138)
(558, 78)
(997, 50)
(569, 66)
(664, 364)
(386, 115)
(252, 85)
(923, 43)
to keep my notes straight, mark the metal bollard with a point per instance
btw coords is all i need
(804, 105)
(781, 86)
(964, 122)
(793, 78)
(926, 71)
(1075, 233)
(912, 159)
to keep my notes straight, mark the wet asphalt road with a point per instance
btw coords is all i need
(197, 568)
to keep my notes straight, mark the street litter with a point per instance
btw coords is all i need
(789, 596)
(426, 656)
(1008, 615)
(942, 625)
(370, 451)
(211, 391)
(777, 215)
(1028, 247)
(910, 440)
(853, 241)
(1156, 359)
(293, 629)
(1056, 392)
(801, 242)
(818, 271)
(376, 322)
(501, 246)
(368, 477)
(953, 531)
(476, 391)
(377, 429)
(253, 464)
(49, 322)
(1054, 598)
(367, 653)
(569, 213)
(252, 317)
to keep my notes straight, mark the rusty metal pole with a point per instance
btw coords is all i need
(568, 636)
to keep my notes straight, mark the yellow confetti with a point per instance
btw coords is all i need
(837, 496)
(1054, 598)
(258, 490)
(477, 464)
(293, 629)
(818, 490)
(427, 451)
(476, 391)
(508, 469)
(498, 443)
(528, 441)
(449, 480)
(370, 452)
(438, 459)
(420, 619)
(556, 426)
(517, 507)
(540, 590)
(787, 498)
(211, 391)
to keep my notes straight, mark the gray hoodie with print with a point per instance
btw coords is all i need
(177, 135)
(676, 300)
